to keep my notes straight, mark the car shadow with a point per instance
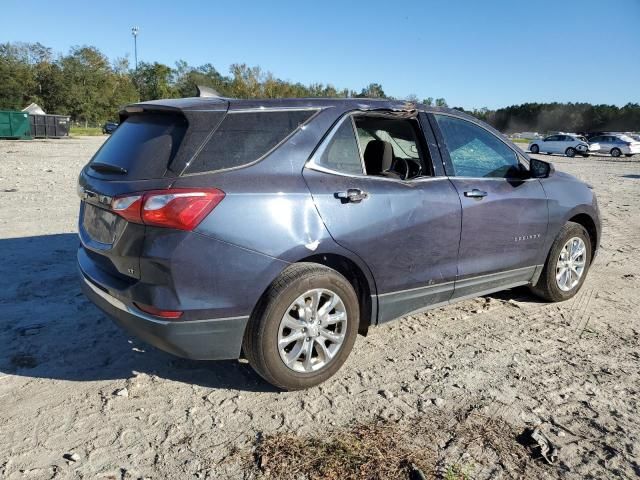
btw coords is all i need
(630, 176)
(48, 329)
(519, 294)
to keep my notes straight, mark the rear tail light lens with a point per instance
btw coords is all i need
(178, 208)
(128, 207)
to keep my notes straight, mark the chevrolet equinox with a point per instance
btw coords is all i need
(280, 229)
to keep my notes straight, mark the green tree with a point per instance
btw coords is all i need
(154, 81)
(187, 78)
(18, 64)
(373, 90)
(87, 76)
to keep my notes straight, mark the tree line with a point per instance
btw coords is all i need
(91, 88)
(567, 117)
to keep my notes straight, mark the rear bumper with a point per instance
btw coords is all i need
(212, 339)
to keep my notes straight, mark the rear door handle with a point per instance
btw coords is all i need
(475, 193)
(352, 195)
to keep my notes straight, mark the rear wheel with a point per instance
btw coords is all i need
(615, 152)
(534, 148)
(567, 264)
(570, 152)
(304, 328)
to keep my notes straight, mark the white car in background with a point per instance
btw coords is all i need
(568, 145)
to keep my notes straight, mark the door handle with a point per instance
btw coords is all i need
(475, 193)
(352, 195)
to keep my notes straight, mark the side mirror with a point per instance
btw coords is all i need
(540, 168)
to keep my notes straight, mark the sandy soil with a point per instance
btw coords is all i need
(571, 367)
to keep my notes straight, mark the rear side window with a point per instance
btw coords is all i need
(342, 154)
(143, 146)
(245, 137)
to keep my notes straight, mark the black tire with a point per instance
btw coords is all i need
(585, 155)
(615, 152)
(547, 287)
(570, 152)
(260, 343)
(534, 149)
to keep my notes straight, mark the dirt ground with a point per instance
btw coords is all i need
(573, 368)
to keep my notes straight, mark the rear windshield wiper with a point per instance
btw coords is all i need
(107, 168)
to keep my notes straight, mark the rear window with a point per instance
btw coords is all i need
(143, 146)
(245, 137)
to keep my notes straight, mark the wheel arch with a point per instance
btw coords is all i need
(362, 284)
(589, 224)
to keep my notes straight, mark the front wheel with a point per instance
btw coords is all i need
(304, 327)
(570, 152)
(567, 264)
(534, 148)
(615, 152)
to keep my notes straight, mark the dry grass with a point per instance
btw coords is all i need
(436, 446)
(375, 451)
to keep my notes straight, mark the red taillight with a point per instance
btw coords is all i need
(178, 208)
(156, 312)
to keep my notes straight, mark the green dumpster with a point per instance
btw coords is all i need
(14, 125)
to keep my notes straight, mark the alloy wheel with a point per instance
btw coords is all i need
(312, 330)
(571, 264)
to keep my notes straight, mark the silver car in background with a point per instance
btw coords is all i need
(616, 144)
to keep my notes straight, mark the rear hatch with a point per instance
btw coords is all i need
(148, 151)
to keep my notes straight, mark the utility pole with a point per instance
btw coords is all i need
(134, 32)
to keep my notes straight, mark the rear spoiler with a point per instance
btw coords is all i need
(177, 106)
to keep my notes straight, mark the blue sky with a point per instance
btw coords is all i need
(473, 53)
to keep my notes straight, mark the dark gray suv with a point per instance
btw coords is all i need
(279, 229)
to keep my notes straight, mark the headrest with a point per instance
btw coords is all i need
(378, 157)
